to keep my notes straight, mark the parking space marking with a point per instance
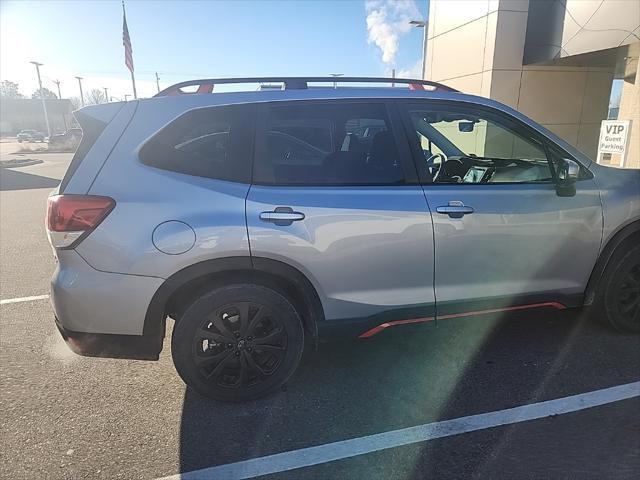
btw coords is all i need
(307, 457)
(23, 299)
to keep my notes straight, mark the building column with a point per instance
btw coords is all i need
(478, 47)
(630, 110)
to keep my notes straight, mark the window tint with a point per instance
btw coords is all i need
(212, 142)
(466, 145)
(333, 144)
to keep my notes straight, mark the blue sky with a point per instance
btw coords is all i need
(190, 39)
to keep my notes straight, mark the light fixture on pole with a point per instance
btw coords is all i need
(81, 94)
(44, 104)
(425, 25)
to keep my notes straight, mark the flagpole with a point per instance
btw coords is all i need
(133, 82)
(133, 78)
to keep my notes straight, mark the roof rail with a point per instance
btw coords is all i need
(295, 83)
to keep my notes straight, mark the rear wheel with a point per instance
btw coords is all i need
(238, 342)
(621, 291)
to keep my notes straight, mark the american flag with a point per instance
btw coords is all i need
(126, 41)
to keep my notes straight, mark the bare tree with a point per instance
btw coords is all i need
(75, 102)
(48, 94)
(9, 89)
(94, 97)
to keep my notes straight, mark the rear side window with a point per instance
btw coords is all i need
(326, 144)
(209, 142)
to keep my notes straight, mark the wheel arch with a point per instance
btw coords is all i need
(185, 285)
(627, 235)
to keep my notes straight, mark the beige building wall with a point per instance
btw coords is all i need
(477, 46)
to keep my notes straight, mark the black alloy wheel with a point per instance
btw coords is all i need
(628, 297)
(622, 291)
(240, 345)
(238, 342)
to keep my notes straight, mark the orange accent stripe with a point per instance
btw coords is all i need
(382, 326)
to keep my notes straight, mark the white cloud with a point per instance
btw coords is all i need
(387, 21)
(414, 71)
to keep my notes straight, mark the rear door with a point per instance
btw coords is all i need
(503, 236)
(335, 195)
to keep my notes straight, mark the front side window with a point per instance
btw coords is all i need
(330, 144)
(211, 142)
(469, 145)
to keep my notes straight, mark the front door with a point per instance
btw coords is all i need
(335, 195)
(503, 237)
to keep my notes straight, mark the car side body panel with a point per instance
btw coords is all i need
(137, 237)
(365, 249)
(620, 192)
(522, 239)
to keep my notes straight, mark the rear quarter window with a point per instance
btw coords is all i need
(211, 142)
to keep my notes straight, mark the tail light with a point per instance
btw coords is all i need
(70, 218)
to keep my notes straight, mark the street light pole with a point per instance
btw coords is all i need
(57, 82)
(335, 84)
(44, 104)
(81, 94)
(64, 119)
(425, 25)
(106, 95)
(158, 82)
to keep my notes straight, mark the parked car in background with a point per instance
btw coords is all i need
(30, 136)
(71, 138)
(260, 221)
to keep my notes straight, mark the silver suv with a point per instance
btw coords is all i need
(260, 221)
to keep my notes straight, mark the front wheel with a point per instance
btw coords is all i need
(238, 342)
(621, 291)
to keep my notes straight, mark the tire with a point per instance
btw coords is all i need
(237, 343)
(620, 291)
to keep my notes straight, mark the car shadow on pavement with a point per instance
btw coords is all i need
(406, 378)
(17, 180)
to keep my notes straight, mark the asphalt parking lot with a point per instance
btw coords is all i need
(65, 416)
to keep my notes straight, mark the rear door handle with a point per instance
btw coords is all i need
(282, 216)
(455, 209)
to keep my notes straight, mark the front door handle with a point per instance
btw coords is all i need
(282, 216)
(455, 209)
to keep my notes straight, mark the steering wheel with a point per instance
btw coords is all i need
(436, 168)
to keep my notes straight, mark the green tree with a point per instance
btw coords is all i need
(9, 89)
(48, 94)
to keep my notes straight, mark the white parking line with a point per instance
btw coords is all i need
(23, 299)
(306, 457)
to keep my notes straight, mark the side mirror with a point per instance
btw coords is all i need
(466, 126)
(568, 173)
